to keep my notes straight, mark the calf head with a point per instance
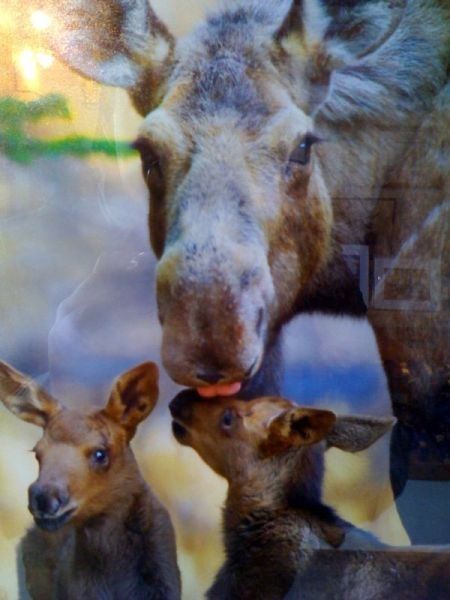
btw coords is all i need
(263, 439)
(85, 463)
(240, 214)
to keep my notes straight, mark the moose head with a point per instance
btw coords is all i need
(255, 125)
(265, 442)
(85, 462)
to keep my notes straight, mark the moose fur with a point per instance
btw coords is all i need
(100, 532)
(277, 531)
(276, 133)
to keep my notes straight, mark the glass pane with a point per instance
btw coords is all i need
(313, 161)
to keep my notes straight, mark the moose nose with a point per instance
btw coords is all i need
(46, 500)
(210, 376)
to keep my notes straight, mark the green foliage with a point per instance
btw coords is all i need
(14, 114)
(18, 145)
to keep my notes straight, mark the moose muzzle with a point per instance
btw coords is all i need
(214, 308)
(48, 503)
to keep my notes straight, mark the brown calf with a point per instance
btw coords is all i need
(271, 453)
(100, 532)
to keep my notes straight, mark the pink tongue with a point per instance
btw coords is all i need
(225, 389)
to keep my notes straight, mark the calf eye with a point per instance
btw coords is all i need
(99, 457)
(227, 420)
(302, 153)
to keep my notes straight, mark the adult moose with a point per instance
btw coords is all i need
(273, 135)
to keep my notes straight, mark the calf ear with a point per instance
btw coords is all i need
(297, 427)
(354, 433)
(24, 398)
(115, 42)
(133, 397)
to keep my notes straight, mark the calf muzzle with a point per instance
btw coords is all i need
(48, 505)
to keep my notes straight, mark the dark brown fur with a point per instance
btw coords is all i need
(403, 574)
(276, 527)
(129, 553)
(108, 537)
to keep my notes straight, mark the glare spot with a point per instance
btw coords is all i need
(26, 61)
(44, 59)
(40, 20)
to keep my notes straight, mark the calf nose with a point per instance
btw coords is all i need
(181, 406)
(46, 500)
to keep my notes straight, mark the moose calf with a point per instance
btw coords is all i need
(100, 532)
(276, 527)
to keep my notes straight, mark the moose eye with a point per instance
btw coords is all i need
(302, 153)
(151, 164)
(150, 167)
(227, 419)
(100, 457)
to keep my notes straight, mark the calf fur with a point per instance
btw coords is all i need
(271, 453)
(398, 573)
(100, 532)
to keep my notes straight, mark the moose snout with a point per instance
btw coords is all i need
(214, 314)
(46, 501)
(210, 375)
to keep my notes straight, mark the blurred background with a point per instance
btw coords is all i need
(77, 307)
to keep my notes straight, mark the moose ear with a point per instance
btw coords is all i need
(360, 28)
(297, 427)
(304, 18)
(334, 37)
(354, 433)
(133, 397)
(115, 42)
(24, 398)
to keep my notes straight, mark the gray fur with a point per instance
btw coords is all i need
(232, 100)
